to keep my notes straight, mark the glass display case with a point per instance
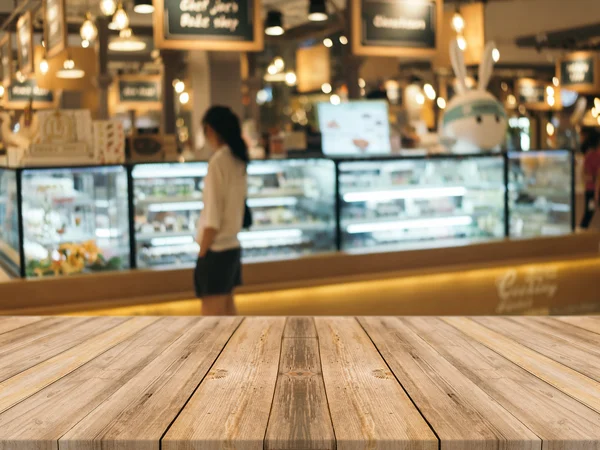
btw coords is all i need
(541, 187)
(10, 245)
(75, 220)
(396, 204)
(292, 202)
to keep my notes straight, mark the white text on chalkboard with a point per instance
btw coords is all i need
(577, 71)
(398, 23)
(147, 92)
(204, 16)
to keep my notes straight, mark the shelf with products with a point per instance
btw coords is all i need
(391, 203)
(541, 191)
(10, 243)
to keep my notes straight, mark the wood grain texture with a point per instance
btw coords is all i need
(38, 422)
(587, 323)
(560, 421)
(548, 342)
(368, 407)
(300, 414)
(12, 323)
(231, 407)
(36, 378)
(25, 353)
(569, 381)
(463, 415)
(138, 414)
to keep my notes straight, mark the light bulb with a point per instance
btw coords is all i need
(179, 86)
(462, 43)
(1, 91)
(272, 70)
(20, 77)
(290, 78)
(550, 129)
(594, 112)
(511, 99)
(550, 91)
(326, 88)
(458, 22)
(429, 91)
(555, 81)
(362, 83)
(496, 55)
(184, 97)
(121, 19)
(551, 101)
(85, 43)
(44, 66)
(327, 42)
(420, 98)
(441, 102)
(343, 40)
(88, 30)
(108, 7)
(335, 99)
(279, 63)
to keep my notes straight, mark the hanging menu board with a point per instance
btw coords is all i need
(139, 92)
(234, 25)
(408, 28)
(6, 60)
(25, 44)
(580, 72)
(19, 95)
(532, 93)
(55, 30)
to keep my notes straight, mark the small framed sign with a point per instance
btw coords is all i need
(139, 92)
(222, 25)
(25, 44)
(55, 29)
(580, 72)
(532, 93)
(6, 60)
(19, 95)
(404, 28)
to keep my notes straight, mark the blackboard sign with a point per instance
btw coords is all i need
(6, 60)
(139, 91)
(208, 24)
(396, 27)
(20, 95)
(55, 30)
(25, 43)
(580, 72)
(531, 93)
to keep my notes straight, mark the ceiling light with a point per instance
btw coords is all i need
(143, 6)
(550, 129)
(326, 88)
(69, 71)
(504, 86)
(343, 40)
(335, 99)
(179, 86)
(20, 77)
(290, 78)
(43, 66)
(458, 22)
(555, 81)
(462, 42)
(496, 55)
(120, 20)
(108, 7)
(184, 97)
(272, 70)
(420, 98)
(327, 42)
(429, 91)
(551, 101)
(511, 100)
(88, 30)
(126, 42)
(279, 63)
(85, 43)
(274, 23)
(1, 91)
(317, 12)
(549, 91)
(362, 83)
(441, 102)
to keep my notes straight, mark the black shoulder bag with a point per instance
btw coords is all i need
(247, 216)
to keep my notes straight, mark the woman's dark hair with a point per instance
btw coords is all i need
(227, 125)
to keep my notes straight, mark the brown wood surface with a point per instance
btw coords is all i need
(183, 383)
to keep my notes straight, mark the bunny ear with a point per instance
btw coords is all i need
(487, 66)
(458, 64)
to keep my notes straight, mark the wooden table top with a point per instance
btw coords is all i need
(187, 383)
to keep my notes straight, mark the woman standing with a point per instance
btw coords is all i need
(219, 269)
(591, 173)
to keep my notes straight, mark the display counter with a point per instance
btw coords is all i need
(62, 221)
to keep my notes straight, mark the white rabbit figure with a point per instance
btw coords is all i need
(474, 119)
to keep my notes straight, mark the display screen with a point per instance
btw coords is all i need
(355, 128)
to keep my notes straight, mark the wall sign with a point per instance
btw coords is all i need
(20, 94)
(6, 60)
(55, 30)
(396, 27)
(208, 25)
(533, 94)
(580, 72)
(25, 44)
(138, 92)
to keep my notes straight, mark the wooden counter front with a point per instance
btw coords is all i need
(185, 383)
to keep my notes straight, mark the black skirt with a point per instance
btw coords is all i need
(218, 273)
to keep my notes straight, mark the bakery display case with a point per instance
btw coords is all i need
(10, 244)
(395, 204)
(541, 190)
(75, 220)
(292, 202)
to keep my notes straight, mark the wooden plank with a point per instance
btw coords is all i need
(587, 323)
(548, 342)
(39, 421)
(579, 337)
(22, 355)
(569, 381)
(22, 336)
(231, 407)
(36, 378)
(300, 415)
(463, 415)
(369, 409)
(558, 419)
(142, 409)
(12, 323)
(300, 327)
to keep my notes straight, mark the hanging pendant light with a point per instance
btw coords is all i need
(43, 64)
(317, 12)
(120, 20)
(274, 23)
(88, 30)
(126, 42)
(143, 7)
(85, 43)
(108, 7)
(458, 21)
(69, 72)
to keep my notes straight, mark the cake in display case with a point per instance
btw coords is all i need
(292, 202)
(75, 220)
(10, 246)
(540, 193)
(397, 204)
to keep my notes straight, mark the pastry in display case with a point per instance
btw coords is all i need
(292, 202)
(75, 220)
(540, 190)
(10, 253)
(396, 204)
